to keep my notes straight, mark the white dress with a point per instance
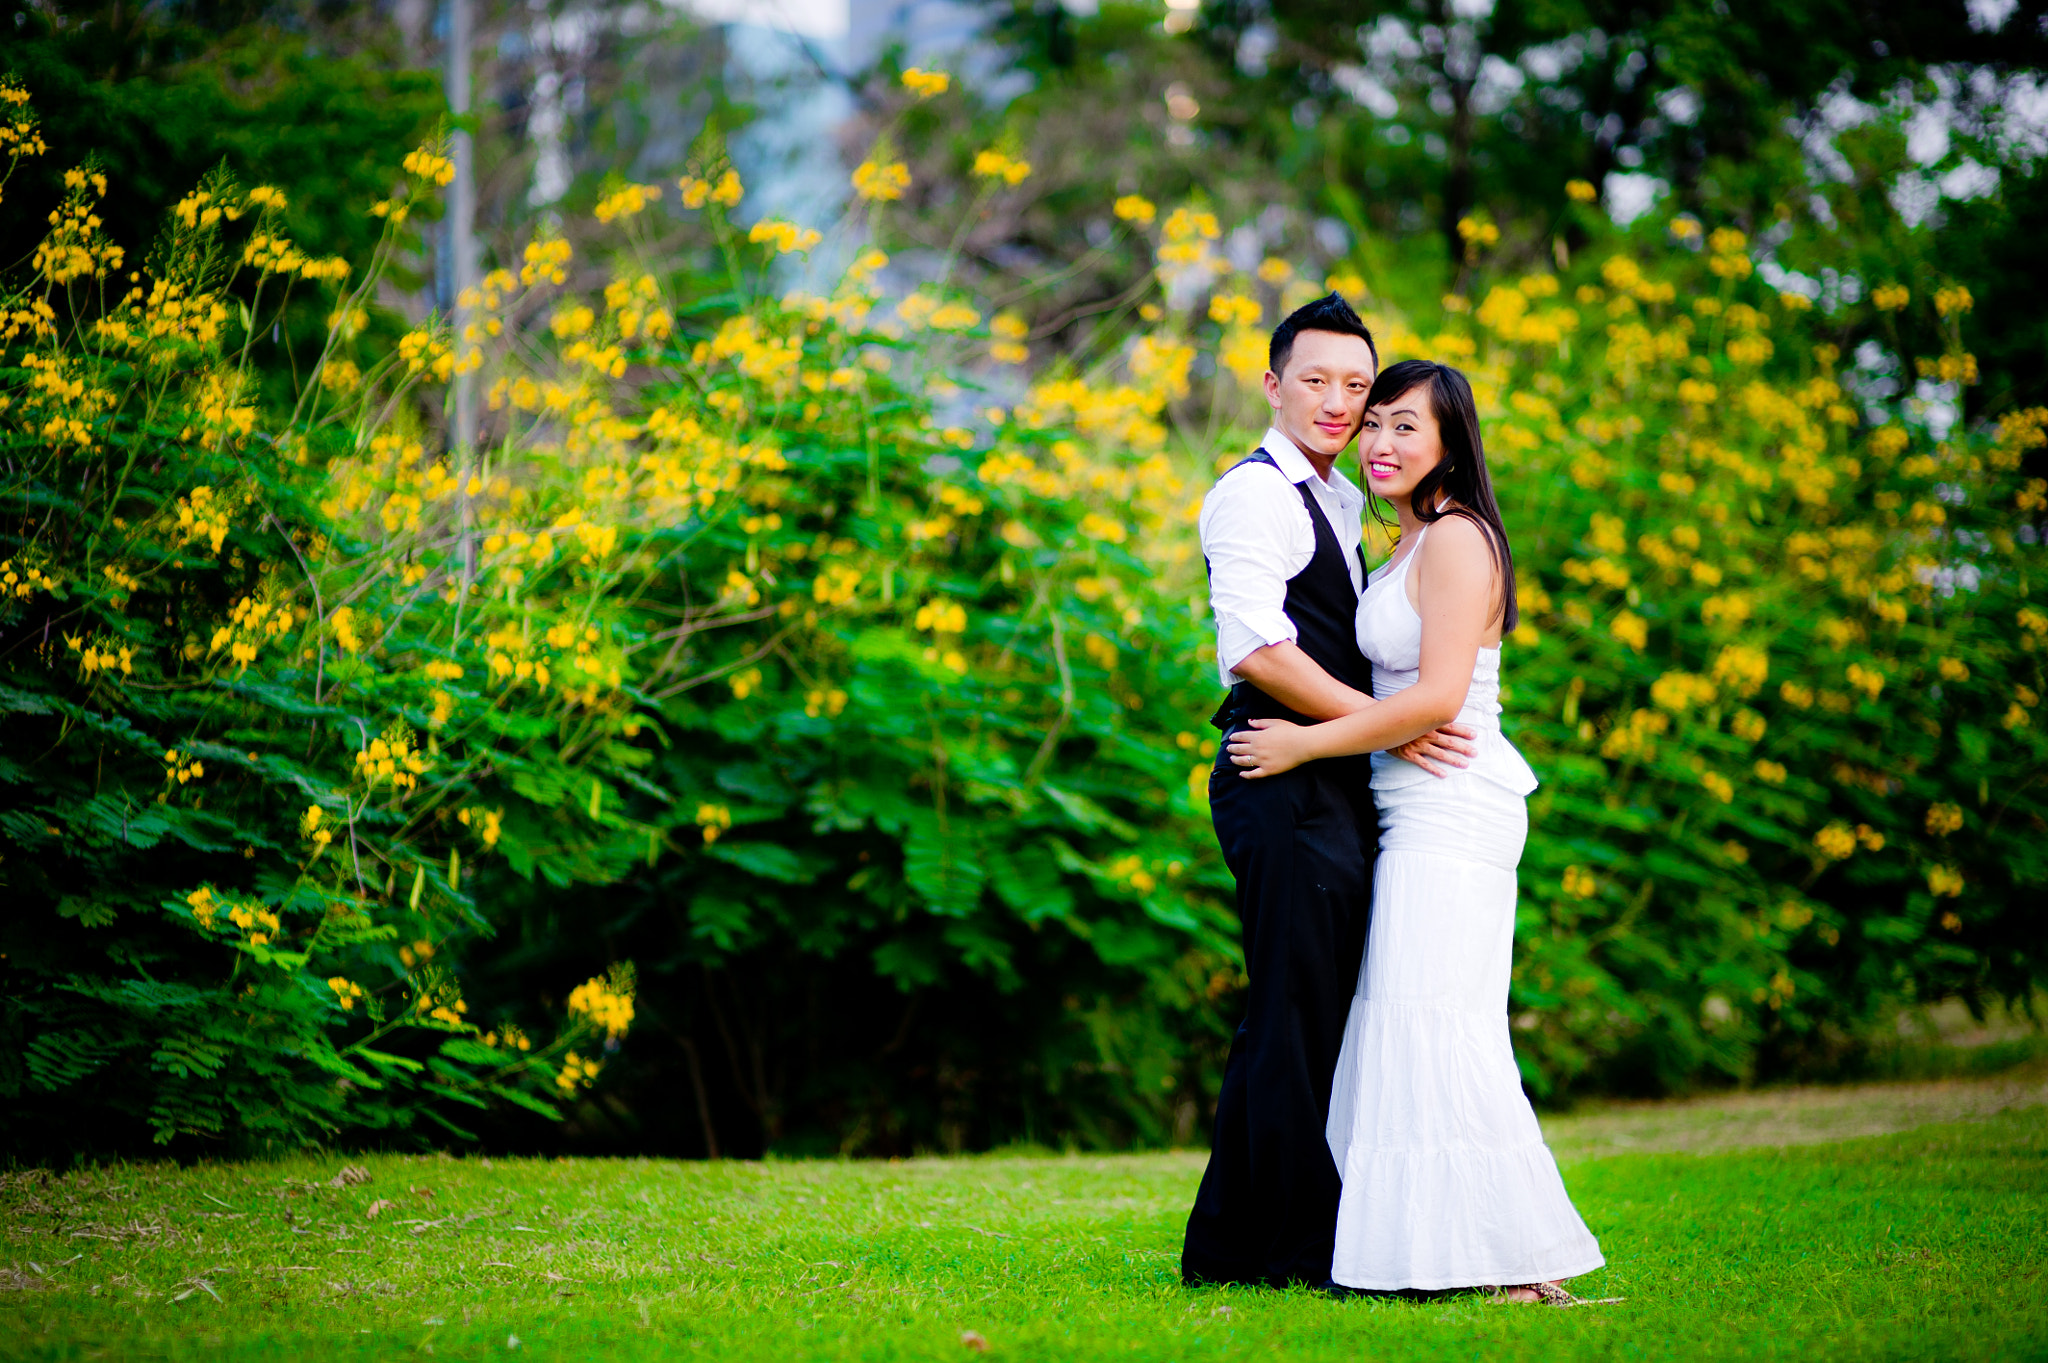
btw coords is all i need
(1447, 1181)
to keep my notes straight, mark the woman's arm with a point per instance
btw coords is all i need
(1457, 586)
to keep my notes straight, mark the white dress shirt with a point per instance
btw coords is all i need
(1256, 534)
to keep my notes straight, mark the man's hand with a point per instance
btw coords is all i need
(1448, 747)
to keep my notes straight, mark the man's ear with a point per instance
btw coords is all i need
(1272, 390)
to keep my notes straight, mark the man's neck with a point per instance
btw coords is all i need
(1320, 462)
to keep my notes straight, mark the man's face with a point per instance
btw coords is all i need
(1319, 401)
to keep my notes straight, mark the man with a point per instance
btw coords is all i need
(1280, 532)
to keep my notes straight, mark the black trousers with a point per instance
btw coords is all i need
(1301, 847)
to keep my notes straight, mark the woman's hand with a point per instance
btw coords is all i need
(1270, 747)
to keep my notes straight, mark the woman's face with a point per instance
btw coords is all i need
(1399, 444)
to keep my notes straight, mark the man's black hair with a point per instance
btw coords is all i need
(1328, 313)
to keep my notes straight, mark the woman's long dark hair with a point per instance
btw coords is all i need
(1460, 477)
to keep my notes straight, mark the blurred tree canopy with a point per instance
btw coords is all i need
(162, 95)
(1399, 121)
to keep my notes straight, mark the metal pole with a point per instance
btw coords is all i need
(462, 259)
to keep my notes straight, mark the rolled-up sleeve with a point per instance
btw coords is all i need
(1256, 535)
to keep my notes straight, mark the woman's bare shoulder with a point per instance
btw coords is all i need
(1456, 539)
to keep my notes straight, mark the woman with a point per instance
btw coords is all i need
(1447, 1181)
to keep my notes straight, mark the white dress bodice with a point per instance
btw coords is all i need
(1390, 636)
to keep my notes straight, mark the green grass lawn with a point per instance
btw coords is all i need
(1927, 1243)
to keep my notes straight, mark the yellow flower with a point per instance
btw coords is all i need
(340, 375)
(1890, 297)
(1952, 300)
(342, 623)
(1580, 191)
(428, 164)
(916, 310)
(881, 182)
(1835, 841)
(925, 84)
(626, 201)
(1631, 629)
(1478, 234)
(576, 1073)
(942, 617)
(713, 820)
(1229, 308)
(786, 237)
(1135, 208)
(1579, 883)
(1680, 691)
(824, 702)
(954, 317)
(310, 828)
(1101, 528)
(606, 1004)
(995, 165)
(1946, 882)
(487, 823)
(1009, 331)
(1743, 668)
(1944, 819)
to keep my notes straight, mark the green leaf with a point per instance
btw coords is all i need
(942, 865)
(771, 861)
(521, 1098)
(471, 1052)
(1089, 815)
(90, 913)
(1028, 880)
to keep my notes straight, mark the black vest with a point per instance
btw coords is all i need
(1324, 608)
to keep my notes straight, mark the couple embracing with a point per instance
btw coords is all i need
(1371, 1133)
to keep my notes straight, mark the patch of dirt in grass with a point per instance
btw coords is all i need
(14, 1280)
(1789, 1116)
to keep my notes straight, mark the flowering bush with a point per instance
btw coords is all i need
(236, 833)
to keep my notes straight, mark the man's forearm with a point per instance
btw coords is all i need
(1291, 677)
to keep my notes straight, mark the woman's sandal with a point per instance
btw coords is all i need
(1550, 1294)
